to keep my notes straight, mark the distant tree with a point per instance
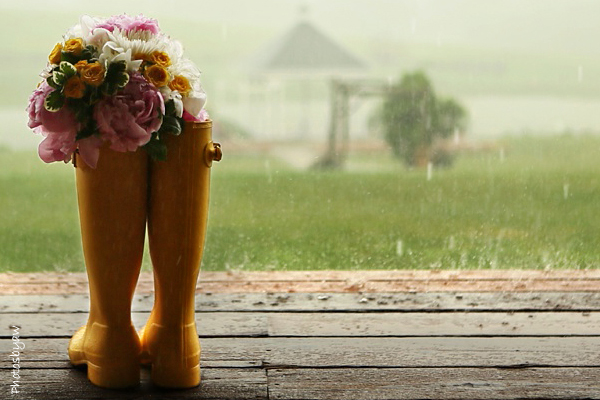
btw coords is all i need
(413, 118)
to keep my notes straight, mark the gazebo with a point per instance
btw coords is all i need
(289, 82)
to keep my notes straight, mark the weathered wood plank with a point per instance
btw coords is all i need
(434, 383)
(225, 324)
(319, 276)
(329, 281)
(64, 324)
(230, 352)
(369, 352)
(311, 302)
(431, 352)
(581, 285)
(71, 384)
(434, 324)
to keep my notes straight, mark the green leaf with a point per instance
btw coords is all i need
(68, 69)
(59, 78)
(156, 149)
(64, 56)
(88, 52)
(88, 130)
(170, 107)
(116, 78)
(121, 79)
(95, 96)
(51, 82)
(170, 125)
(54, 101)
(81, 109)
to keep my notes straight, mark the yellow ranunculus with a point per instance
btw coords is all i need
(74, 46)
(181, 84)
(54, 57)
(156, 75)
(80, 66)
(74, 88)
(160, 58)
(93, 74)
(142, 56)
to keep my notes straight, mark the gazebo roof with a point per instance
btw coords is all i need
(306, 50)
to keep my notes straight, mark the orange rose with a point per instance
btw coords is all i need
(156, 75)
(160, 58)
(54, 57)
(74, 88)
(80, 66)
(93, 74)
(74, 46)
(181, 84)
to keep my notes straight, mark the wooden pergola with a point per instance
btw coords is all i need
(342, 91)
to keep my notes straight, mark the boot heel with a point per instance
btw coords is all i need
(113, 376)
(168, 377)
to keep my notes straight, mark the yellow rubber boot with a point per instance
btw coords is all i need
(177, 214)
(113, 211)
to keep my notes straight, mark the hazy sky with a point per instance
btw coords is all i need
(561, 25)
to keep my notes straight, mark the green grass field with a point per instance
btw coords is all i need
(537, 208)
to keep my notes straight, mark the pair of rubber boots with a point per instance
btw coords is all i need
(117, 199)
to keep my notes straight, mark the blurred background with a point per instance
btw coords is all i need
(328, 163)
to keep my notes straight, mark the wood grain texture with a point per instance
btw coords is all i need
(313, 302)
(210, 324)
(395, 345)
(368, 352)
(68, 384)
(340, 324)
(418, 324)
(330, 281)
(434, 383)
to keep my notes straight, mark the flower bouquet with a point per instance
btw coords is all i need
(111, 87)
(118, 80)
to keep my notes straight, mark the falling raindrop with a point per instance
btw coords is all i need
(451, 243)
(566, 191)
(224, 32)
(429, 170)
(456, 136)
(399, 248)
(501, 154)
(268, 171)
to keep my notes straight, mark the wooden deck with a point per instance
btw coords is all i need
(340, 344)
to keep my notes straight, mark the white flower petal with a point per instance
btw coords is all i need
(194, 103)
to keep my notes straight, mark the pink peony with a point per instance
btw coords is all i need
(127, 23)
(59, 128)
(129, 118)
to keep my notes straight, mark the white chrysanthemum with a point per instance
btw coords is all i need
(185, 67)
(174, 49)
(139, 42)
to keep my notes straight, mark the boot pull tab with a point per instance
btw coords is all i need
(212, 152)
